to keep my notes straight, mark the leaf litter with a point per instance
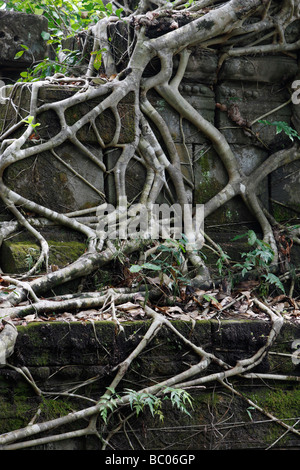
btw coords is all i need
(189, 305)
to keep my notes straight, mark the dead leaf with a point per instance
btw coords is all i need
(175, 309)
(32, 318)
(214, 303)
(247, 294)
(295, 313)
(225, 301)
(127, 306)
(136, 312)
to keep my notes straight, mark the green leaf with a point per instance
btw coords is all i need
(19, 54)
(154, 267)
(282, 126)
(118, 12)
(238, 237)
(208, 297)
(135, 268)
(274, 280)
(29, 121)
(98, 59)
(109, 7)
(45, 35)
(252, 238)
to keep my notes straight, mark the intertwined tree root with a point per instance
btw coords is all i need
(193, 377)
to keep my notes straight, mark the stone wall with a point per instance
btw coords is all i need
(17, 29)
(255, 84)
(58, 354)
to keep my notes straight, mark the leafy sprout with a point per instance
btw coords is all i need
(282, 126)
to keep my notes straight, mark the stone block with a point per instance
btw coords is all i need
(49, 121)
(59, 353)
(260, 69)
(56, 181)
(202, 67)
(48, 181)
(16, 29)
(211, 177)
(201, 97)
(253, 101)
(285, 192)
(19, 257)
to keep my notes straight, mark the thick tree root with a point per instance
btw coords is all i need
(162, 35)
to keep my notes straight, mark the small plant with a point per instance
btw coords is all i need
(249, 409)
(260, 259)
(282, 126)
(98, 58)
(168, 262)
(139, 401)
(221, 264)
(260, 256)
(31, 257)
(29, 122)
(179, 399)
(20, 53)
(109, 403)
(65, 20)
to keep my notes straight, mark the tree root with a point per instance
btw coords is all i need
(182, 380)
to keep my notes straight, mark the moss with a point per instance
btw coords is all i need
(207, 185)
(16, 415)
(52, 409)
(281, 402)
(282, 213)
(17, 409)
(61, 343)
(206, 24)
(63, 253)
(15, 257)
(206, 189)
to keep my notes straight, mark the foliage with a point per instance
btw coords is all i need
(31, 257)
(156, 150)
(168, 261)
(29, 122)
(65, 20)
(222, 265)
(260, 256)
(282, 126)
(64, 17)
(139, 401)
